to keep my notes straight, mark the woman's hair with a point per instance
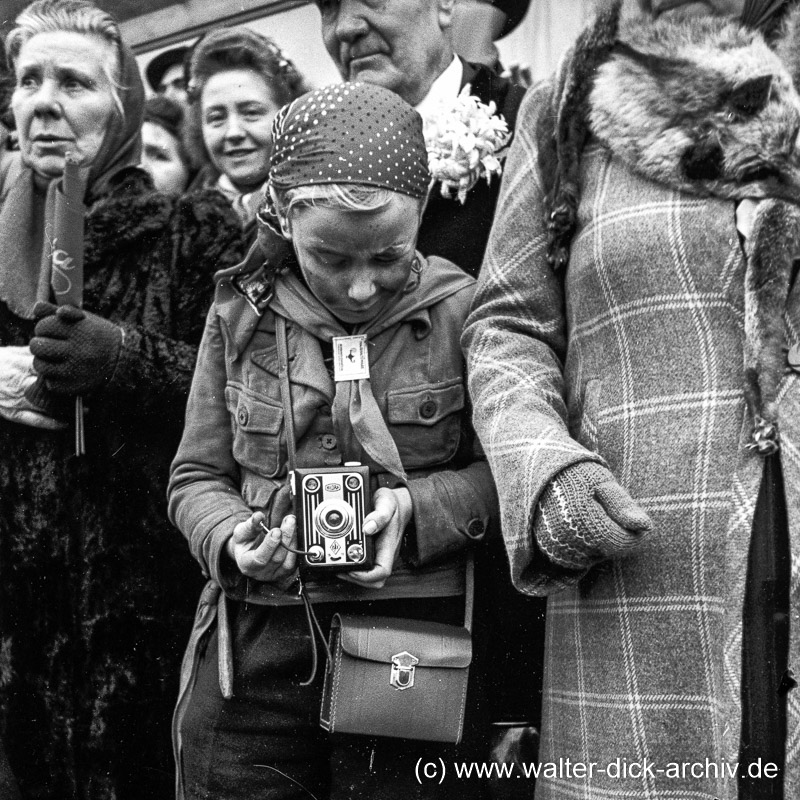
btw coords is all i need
(167, 114)
(229, 49)
(74, 16)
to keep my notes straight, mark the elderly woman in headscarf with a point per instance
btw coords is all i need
(95, 592)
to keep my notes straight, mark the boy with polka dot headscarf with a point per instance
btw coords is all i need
(348, 181)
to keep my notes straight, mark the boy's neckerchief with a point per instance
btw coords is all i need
(357, 419)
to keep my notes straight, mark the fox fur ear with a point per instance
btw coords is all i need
(751, 96)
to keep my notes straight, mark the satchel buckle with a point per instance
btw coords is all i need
(402, 676)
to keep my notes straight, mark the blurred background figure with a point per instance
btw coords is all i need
(166, 75)
(163, 152)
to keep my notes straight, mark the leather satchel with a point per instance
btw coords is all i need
(401, 678)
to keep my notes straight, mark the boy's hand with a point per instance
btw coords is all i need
(259, 554)
(393, 511)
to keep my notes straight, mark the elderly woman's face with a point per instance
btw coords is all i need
(63, 99)
(237, 112)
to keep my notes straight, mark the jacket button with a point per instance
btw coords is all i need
(328, 441)
(243, 415)
(427, 409)
(476, 528)
(794, 357)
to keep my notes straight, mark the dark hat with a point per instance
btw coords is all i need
(155, 70)
(166, 113)
(515, 11)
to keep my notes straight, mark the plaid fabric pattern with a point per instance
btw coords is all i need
(634, 358)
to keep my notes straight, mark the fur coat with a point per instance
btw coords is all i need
(96, 589)
(618, 319)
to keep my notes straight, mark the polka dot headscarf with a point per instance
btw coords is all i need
(349, 133)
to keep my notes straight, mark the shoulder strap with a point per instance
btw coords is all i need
(469, 591)
(286, 390)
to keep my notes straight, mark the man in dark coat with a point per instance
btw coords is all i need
(406, 46)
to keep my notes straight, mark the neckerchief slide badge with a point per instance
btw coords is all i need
(255, 288)
(350, 358)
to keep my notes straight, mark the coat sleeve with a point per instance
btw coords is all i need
(156, 364)
(204, 500)
(453, 508)
(515, 342)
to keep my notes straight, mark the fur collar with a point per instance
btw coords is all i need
(702, 105)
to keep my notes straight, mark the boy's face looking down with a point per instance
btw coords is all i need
(356, 262)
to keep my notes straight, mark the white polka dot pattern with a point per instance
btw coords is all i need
(350, 133)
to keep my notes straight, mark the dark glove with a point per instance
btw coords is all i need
(75, 351)
(584, 516)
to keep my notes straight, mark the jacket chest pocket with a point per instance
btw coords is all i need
(425, 422)
(257, 425)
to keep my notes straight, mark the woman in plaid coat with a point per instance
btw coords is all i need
(636, 334)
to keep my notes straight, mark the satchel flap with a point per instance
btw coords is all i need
(380, 638)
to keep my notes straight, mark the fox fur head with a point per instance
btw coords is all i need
(703, 105)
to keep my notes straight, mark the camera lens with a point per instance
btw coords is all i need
(353, 483)
(312, 485)
(334, 518)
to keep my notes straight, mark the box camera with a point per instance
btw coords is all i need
(330, 506)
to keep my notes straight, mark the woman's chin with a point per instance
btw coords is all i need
(46, 168)
(246, 180)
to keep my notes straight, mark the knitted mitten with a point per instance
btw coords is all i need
(584, 516)
(75, 351)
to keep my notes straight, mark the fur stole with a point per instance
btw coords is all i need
(704, 106)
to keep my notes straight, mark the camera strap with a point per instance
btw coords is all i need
(314, 628)
(286, 393)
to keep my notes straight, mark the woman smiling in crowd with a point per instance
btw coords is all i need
(238, 81)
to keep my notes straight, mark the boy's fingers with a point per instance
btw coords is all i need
(289, 539)
(248, 530)
(379, 517)
(268, 550)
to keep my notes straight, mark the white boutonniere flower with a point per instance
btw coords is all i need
(466, 142)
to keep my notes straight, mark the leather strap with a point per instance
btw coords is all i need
(225, 645)
(286, 390)
(469, 591)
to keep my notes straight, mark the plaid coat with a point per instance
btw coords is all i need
(632, 357)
